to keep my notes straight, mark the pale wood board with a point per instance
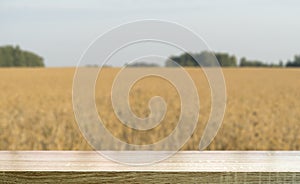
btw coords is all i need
(185, 166)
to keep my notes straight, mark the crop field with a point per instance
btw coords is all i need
(262, 112)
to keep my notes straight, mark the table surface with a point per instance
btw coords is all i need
(183, 161)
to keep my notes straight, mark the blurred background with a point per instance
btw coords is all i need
(256, 42)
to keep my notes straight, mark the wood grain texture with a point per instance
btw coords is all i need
(183, 167)
(149, 177)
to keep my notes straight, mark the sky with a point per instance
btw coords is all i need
(60, 31)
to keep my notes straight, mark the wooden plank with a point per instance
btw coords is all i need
(149, 177)
(186, 166)
(185, 161)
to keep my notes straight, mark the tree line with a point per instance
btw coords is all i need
(224, 59)
(11, 56)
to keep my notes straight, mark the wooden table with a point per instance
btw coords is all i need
(183, 167)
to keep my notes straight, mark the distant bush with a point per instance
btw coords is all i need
(254, 63)
(226, 60)
(295, 63)
(204, 58)
(247, 63)
(142, 64)
(14, 57)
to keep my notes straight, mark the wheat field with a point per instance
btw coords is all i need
(262, 113)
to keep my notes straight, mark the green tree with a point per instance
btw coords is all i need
(204, 58)
(14, 57)
(249, 63)
(226, 60)
(295, 63)
(6, 57)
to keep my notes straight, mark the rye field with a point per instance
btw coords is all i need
(262, 112)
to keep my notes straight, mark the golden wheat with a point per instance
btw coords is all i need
(263, 109)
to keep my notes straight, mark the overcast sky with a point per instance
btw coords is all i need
(60, 31)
